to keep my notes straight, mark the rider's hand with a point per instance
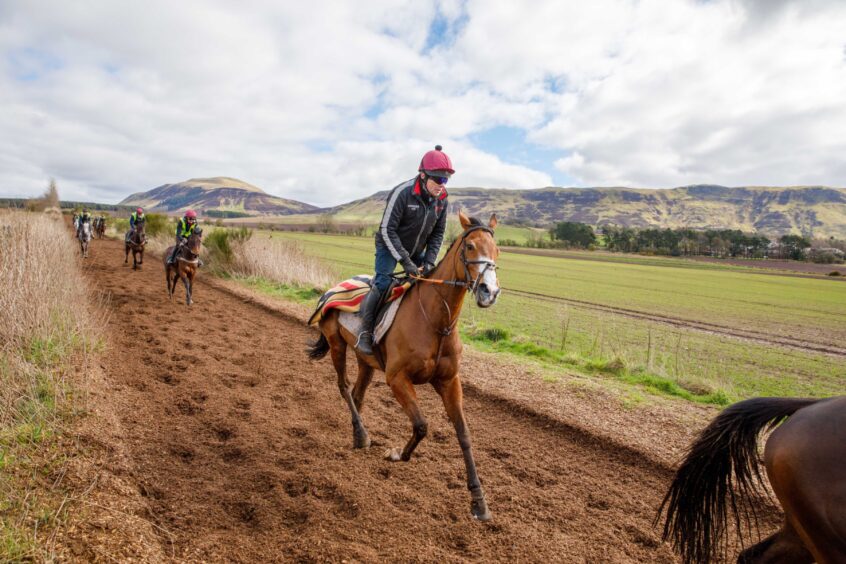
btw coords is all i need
(410, 268)
(427, 268)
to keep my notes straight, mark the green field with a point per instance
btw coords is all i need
(588, 337)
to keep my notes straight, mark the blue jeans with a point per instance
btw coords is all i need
(385, 265)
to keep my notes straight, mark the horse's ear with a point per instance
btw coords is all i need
(492, 223)
(465, 221)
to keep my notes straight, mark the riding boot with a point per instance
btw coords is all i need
(369, 306)
(172, 256)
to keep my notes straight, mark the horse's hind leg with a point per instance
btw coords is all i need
(403, 390)
(785, 546)
(453, 398)
(365, 375)
(338, 351)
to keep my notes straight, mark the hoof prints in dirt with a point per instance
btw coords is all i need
(233, 455)
(168, 379)
(242, 511)
(325, 492)
(183, 453)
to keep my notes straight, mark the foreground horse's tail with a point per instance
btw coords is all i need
(721, 466)
(319, 348)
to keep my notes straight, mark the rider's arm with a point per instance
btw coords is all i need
(397, 202)
(436, 238)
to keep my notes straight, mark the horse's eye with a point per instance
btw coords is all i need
(470, 246)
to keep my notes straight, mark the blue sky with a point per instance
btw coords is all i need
(330, 101)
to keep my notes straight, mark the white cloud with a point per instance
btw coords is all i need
(114, 98)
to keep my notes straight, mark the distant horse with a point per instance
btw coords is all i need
(805, 460)
(184, 266)
(423, 345)
(84, 236)
(135, 242)
(100, 227)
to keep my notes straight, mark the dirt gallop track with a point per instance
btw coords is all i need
(241, 448)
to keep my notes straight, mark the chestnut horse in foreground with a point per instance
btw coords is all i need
(423, 346)
(805, 459)
(135, 243)
(184, 266)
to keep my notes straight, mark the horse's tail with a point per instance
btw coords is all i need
(721, 465)
(319, 348)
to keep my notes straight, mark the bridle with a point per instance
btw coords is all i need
(468, 283)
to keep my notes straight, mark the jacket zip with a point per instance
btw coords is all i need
(419, 233)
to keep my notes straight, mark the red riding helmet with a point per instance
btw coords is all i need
(140, 210)
(191, 214)
(436, 163)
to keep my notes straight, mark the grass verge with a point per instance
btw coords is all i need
(48, 336)
(499, 339)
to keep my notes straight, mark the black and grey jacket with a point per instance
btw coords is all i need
(413, 221)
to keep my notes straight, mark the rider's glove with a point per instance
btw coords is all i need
(409, 267)
(427, 268)
(182, 240)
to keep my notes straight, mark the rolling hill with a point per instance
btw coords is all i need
(226, 196)
(809, 210)
(816, 211)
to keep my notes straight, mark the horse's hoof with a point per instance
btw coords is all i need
(361, 441)
(479, 510)
(393, 454)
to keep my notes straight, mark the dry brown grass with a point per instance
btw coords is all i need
(49, 328)
(284, 263)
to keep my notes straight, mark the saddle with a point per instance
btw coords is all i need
(348, 295)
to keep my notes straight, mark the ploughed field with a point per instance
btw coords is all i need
(240, 449)
(743, 332)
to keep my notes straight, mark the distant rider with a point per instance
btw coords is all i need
(184, 229)
(411, 233)
(85, 217)
(136, 218)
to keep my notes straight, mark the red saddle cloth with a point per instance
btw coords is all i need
(348, 295)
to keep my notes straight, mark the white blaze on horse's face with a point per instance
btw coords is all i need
(488, 289)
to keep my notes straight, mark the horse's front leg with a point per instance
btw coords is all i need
(187, 284)
(141, 256)
(403, 390)
(126, 259)
(453, 398)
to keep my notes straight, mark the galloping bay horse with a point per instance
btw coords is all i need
(84, 236)
(135, 243)
(805, 460)
(423, 346)
(184, 266)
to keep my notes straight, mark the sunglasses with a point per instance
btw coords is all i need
(439, 179)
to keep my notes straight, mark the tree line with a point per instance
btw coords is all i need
(726, 243)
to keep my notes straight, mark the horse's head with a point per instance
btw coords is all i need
(195, 241)
(478, 254)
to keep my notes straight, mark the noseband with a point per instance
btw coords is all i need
(469, 283)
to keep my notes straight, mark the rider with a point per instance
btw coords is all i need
(184, 228)
(85, 217)
(134, 219)
(411, 233)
